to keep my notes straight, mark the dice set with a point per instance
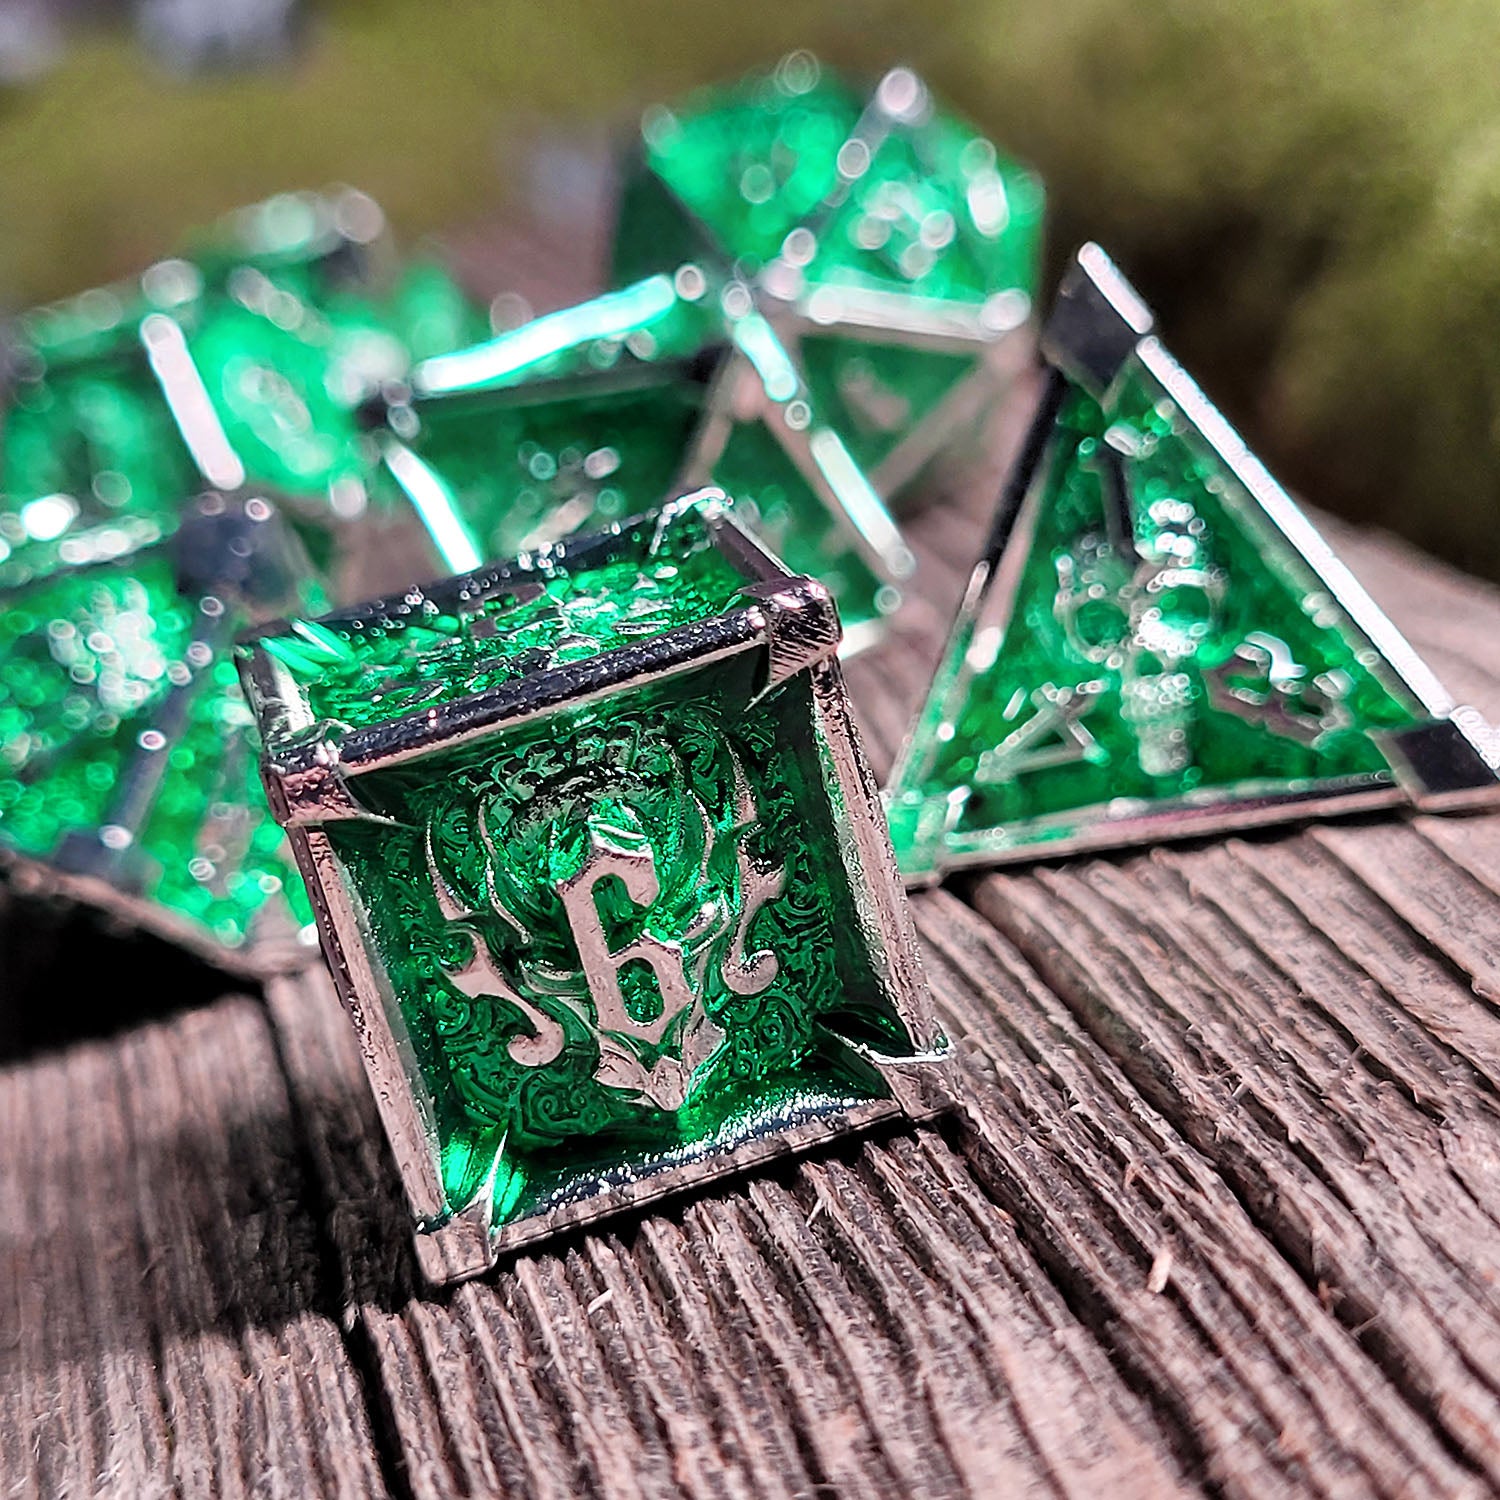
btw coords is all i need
(584, 827)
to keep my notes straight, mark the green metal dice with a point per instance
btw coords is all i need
(892, 248)
(817, 293)
(583, 415)
(600, 870)
(179, 457)
(1155, 642)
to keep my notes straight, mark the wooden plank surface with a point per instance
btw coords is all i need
(1216, 1213)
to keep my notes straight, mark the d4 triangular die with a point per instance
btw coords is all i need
(1156, 643)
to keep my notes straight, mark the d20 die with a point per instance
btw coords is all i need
(597, 411)
(600, 872)
(892, 248)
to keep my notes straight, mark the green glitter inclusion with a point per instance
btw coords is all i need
(755, 159)
(1207, 660)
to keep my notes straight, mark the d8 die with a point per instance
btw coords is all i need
(600, 872)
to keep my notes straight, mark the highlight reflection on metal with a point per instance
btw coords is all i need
(189, 402)
(810, 373)
(1155, 642)
(600, 872)
(434, 503)
(614, 316)
(175, 447)
(890, 247)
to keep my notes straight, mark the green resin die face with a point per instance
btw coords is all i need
(146, 425)
(888, 242)
(599, 870)
(129, 767)
(583, 416)
(1156, 642)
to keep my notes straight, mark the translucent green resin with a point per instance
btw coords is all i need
(813, 194)
(576, 420)
(601, 410)
(615, 936)
(927, 208)
(288, 338)
(125, 733)
(1195, 658)
(125, 745)
(754, 159)
(92, 467)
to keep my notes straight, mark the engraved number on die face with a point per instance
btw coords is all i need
(711, 937)
(635, 867)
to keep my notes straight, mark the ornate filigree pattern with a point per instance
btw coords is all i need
(696, 909)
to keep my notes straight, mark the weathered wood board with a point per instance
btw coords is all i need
(1217, 1212)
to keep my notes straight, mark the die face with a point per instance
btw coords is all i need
(794, 173)
(93, 468)
(618, 939)
(1152, 648)
(375, 668)
(571, 422)
(938, 215)
(147, 423)
(525, 475)
(632, 939)
(876, 395)
(811, 538)
(891, 245)
(767, 441)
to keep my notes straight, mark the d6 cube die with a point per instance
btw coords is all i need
(600, 872)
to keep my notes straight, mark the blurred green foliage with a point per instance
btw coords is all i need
(1307, 190)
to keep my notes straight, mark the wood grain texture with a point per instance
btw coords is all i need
(169, 1328)
(1215, 1213)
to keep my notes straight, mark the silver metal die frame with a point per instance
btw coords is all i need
(1099, 325)
(314, 781)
